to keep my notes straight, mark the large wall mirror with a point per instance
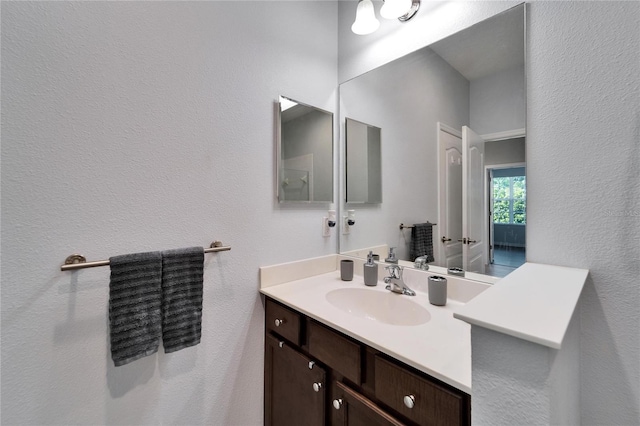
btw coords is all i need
(453, 119)
(304, 153)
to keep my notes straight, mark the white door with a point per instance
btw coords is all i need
(449, 249)
(473, 206)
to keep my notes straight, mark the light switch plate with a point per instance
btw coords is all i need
(326, 231)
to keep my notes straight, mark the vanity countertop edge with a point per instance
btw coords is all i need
(534, 303)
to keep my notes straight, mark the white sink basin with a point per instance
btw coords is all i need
(384, 307)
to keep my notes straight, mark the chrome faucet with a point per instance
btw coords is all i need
(422, 263)
(395, 282)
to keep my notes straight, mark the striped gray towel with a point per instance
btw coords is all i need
(422, 241)
(182, 277)
(134, 306)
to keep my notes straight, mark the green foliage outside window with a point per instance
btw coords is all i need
(509, 200)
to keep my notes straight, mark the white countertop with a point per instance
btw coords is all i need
(534, 303)
(441, 347)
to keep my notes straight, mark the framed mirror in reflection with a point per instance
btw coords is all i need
(453, 115)
(363, 163)
(304, 153)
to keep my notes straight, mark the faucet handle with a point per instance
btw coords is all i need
(395, 271)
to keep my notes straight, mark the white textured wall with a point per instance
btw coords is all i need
(583, 184)
(516, 382)
(508, 151)
(583, 158)
(497, 102)
(135, 126)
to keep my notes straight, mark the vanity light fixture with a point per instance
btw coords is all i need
(366, 21)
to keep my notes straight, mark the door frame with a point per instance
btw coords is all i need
(494, 137)
(489, 201)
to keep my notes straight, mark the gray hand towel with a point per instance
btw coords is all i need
(182, 277)
(134, 306)
(422, 241)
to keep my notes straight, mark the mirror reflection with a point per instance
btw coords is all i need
(454, 117)
(363, 163)
(305, 153)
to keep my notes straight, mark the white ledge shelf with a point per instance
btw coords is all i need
(534, 303)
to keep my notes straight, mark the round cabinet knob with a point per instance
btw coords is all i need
(278, 322)
(311, 364)
(337, 403)
(409, 401)
(317, 386)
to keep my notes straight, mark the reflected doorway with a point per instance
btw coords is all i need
(507, 198)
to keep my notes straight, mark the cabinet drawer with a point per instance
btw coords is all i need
(335, 350)
(283, 321)
(431, 403)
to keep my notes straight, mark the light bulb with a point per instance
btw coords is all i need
(366, 21)
(392, 9)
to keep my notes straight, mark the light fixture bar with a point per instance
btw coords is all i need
(415, 5)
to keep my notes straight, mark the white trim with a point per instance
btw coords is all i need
(506, 166)
(450, 130)
(508, 134)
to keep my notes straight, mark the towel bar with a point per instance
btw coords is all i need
(403, 226)
(78, 261)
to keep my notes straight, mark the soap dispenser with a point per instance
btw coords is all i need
(370, 271)
(392, 256)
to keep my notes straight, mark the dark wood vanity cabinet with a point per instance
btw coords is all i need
(315, 375)
(295, 392)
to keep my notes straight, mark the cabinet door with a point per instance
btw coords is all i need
(294, 387)
(350, 408)
(415, 397)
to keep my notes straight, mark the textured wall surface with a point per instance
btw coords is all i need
(508, 151)
(498, 102)
(136, 126)
(583, 178)
(516, 382)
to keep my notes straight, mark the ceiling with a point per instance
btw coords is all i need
(485, 49)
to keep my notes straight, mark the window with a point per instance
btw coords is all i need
(510, 200)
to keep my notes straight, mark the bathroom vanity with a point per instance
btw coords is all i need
(339, 352)
(315, 375)
(351, 354)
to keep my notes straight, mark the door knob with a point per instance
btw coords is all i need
(463, 241)
(409, 401)
(317, 386)
(471, 241)
(278, 322)
(445, 239)
(337, 403)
